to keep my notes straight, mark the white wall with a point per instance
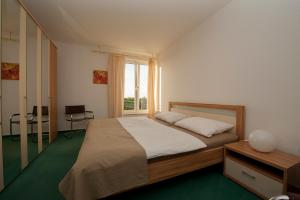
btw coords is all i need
(247, 53)
(75, 71)
(75, 81)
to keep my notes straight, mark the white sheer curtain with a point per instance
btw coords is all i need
(151, 86)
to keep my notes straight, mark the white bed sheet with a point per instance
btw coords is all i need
(159, 140)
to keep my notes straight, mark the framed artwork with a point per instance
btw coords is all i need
(10, 71)
(100, 77)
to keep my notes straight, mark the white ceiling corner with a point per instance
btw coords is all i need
(142, 25)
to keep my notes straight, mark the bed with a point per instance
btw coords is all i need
(112, 161)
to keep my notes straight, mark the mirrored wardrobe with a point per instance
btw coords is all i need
(28, 90)
(45, 91)
(10, 43)
(31, 83)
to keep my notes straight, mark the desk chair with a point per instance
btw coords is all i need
(77, 113)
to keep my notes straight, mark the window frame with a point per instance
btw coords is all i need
(136, 63)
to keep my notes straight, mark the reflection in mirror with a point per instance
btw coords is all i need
(31, 51)
(10, 89)
(45, 90)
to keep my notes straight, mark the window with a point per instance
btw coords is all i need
(136, 86)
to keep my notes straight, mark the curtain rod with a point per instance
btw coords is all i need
(124, 52)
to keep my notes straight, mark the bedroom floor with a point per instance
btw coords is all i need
(40, 180)
(11, 154)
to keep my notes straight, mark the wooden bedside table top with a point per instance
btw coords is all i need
(276, 158)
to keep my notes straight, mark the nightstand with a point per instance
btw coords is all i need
(265, 174)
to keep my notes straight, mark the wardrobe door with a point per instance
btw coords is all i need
(10, 82)
(32, 57)
(53, 90)
(45, 90)
(1, 154)
(39, 89)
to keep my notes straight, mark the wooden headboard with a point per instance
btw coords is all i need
(234, 114)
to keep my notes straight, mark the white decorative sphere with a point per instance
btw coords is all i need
(262, 141)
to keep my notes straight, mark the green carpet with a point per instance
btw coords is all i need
(40, 180)
(11, 155)
(11, 159)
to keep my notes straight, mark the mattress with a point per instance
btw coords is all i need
(169, 140)
(157, 139)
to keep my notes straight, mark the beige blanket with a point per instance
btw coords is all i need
(109, 161)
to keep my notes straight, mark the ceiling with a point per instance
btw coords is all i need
(141, 25)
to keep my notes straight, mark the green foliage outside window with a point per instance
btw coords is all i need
(129, 103)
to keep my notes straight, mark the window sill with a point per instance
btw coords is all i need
(126, 113)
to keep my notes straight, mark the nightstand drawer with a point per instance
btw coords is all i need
(252, 179)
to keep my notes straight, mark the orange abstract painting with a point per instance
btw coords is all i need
(10, 71)
(100, 77)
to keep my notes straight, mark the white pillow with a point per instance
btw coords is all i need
(204, 126)
(170, 117)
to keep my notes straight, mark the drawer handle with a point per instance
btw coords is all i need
(248, 175)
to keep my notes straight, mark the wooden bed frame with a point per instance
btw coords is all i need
(162, 169)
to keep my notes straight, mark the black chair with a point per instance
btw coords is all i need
(31, 119)
(15, 120)
(77, 113)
